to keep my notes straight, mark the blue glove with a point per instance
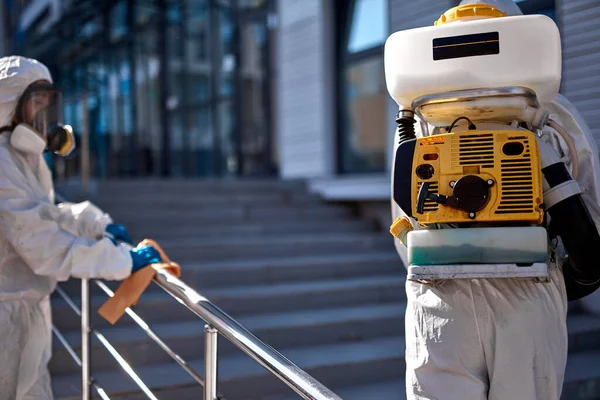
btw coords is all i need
(118, 233)
(143, 256)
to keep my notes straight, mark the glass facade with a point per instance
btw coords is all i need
(545, 7)
(168, 87)
(363, 95)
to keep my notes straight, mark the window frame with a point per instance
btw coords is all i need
(344, 11)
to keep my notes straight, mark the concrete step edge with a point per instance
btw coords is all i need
(293, 262)
(284, 239)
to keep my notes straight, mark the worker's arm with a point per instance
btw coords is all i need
(80, 219)
(47, 248)
(87, 220)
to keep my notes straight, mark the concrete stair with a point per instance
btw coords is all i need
(311, 279)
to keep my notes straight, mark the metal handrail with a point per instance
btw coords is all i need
(217, 322)
(293, 376)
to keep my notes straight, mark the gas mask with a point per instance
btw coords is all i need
(38, 121)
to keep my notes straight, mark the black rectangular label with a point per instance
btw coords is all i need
(479, 44)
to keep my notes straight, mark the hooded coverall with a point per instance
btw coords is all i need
(40, 244)
(497, 339)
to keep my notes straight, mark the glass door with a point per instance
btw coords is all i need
(147, 98)
(255, 77)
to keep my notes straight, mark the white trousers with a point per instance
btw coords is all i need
(486, 339)
(25, 350)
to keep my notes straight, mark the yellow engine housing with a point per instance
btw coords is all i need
(516, 193)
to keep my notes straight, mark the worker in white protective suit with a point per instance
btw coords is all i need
(496, 339)
(42, 243)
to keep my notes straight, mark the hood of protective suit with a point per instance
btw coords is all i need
(507, 6)
(16, 74)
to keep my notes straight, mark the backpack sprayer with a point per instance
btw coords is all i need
(477, 191)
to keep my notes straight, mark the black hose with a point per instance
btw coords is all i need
(403, 162)
(571, 220)
(406, 125)
(471, 124)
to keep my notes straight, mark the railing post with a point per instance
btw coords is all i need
(86, 385)
(210, 363)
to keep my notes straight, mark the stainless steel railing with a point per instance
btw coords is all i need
(218, 322)
(301, 382)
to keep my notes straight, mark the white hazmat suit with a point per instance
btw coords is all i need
(496, 339)
(40, 244)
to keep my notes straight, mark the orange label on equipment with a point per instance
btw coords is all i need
(431, 140)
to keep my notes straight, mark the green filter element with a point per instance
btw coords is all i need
(472, 255)
(478, 246)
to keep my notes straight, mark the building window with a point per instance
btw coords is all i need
(363, 95)
(162, 81)
(545, 7)
(118, 18)
(197, 50)
(227, 59)
(369, 25)
(201, 138)
(147, 98)
(251, 3)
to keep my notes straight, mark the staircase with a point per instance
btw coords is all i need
(317, 283)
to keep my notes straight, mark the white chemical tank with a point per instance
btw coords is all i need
(474, 47)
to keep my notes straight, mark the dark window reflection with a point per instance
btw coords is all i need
(147, 98)
(227, 56)
(177, 149)
(229, 160)
(118, 21)
(197, 50)
(201, 142)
